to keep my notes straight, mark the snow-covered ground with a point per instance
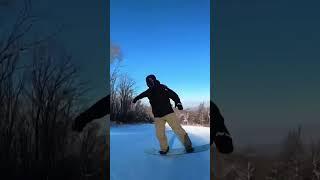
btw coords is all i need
(128, 161)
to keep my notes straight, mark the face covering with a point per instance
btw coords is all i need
(150, 82)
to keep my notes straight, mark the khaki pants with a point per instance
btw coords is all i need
(171, 119)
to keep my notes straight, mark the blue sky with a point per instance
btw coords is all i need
(170, 39)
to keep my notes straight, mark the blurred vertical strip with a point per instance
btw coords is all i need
(212, 152)
(106, 149)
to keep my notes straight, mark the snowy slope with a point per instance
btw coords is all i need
(129, 162)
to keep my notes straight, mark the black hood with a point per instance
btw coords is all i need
(152, 81)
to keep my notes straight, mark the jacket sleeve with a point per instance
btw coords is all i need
(97, 110)
(219, 133)
(172, 95)
(142, 95)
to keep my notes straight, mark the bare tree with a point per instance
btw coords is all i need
(200, 113)
(292, 154)
(292, 146)
(315, 158)
(246, 173)
(122, 90)
(273, 175)
(37, 103)
(89, 153)
(316, 167)
(35, 113)
(11, 88)
(198, 116)
(51, 97)
(126, 87)
(115, 60)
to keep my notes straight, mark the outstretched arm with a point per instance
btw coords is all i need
(98, 110)
(174, 96)
(219, 133)
(140, 96)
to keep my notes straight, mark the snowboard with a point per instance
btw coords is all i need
(178, 151)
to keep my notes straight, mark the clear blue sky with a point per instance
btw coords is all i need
(170, 39)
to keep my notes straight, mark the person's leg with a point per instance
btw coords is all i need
(161, 134)
(177, 128)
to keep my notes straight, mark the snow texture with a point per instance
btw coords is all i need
(129, 161)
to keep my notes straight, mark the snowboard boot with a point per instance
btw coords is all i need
(188, 144)
(189, 149)
(164, 152)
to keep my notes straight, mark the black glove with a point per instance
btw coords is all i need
(179, 105)
(78, 124)
(134, 100)
(97, 110)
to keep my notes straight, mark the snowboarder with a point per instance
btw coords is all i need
(219, 133)
(159, 97)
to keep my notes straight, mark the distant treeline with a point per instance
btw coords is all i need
(296, 160)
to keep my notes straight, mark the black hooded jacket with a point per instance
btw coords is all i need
(159, 97)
